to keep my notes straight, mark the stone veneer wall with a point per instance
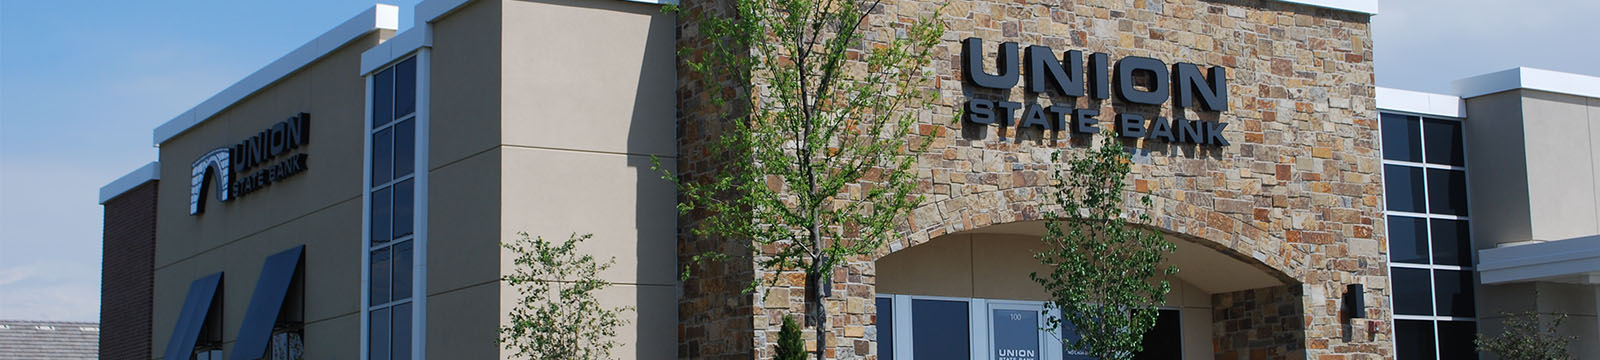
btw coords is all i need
(1298, 193)
(1256, 324)
(714, 314)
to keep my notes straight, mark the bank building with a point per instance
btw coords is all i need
(348, 200)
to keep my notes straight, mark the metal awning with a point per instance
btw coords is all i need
(1575, 260)
(196, 308)
(277, 275)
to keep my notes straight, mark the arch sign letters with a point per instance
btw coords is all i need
(1066, 77)
(229, 167)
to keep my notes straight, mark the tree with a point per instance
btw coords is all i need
(816, 160)
(1104, 270)
(558, 315)
(790, 344)
(1524, 340)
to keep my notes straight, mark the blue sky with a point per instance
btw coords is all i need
(83, 83)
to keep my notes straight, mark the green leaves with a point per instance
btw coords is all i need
(791, 343)
(815, 161)
(558, 315)
(1106, 275)
(1523, 338)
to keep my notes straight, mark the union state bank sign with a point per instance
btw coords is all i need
(1065, 77)
(229, 166)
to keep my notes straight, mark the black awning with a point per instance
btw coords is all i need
(196, 306)
(277, 275)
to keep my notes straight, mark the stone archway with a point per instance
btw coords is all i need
(1228, 303)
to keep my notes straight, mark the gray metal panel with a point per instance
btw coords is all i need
(277, 274)
(196, 305)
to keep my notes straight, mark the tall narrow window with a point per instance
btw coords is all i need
(1430, 252)
(391, 192)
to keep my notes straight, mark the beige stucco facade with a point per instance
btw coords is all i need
(320, 208)
(1546, 148)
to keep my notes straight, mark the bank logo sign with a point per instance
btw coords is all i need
(229, 166)
(1065, 77)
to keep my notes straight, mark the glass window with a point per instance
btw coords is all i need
(1443, 138)
(1069, 335)
(382, 98)
(1456, 339)
(1015, 334)
(1408, 240)
(1447, 192)
(885, 328)
(405, 87)
(1451, 245)
(1403, 186)
(382, 156)
(1411, 295)
(402, 331)
(1454, 293)
(378, 335)
(1434, 286)
(1413, 339)
(402, 270)
(381, 214)
(942, 329)
(404, 147)
(392, 211)
(380, 277)
(286, 345)
(1400, 138)
(403, 207)
(207, 354)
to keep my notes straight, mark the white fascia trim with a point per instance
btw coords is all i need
(1421, 103)
(379, 57)
(1369, 7)
(380, 16)
(1535, 261)
(133, 179)
(420, 35)
(1528, 78)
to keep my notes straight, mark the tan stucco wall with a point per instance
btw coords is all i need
(464, 183)
(994, 266)
(1562, 151)
(320, 208)
(1532, 161)
(1543, 151)
(587, 98)
(1494, 140)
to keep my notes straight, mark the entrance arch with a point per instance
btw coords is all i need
(1217, 294)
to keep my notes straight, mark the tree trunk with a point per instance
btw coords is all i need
(820, 283)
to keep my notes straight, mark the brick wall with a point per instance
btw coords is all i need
(1297, 194)
(127, 273)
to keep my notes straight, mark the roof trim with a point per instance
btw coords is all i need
(1544, 260)
(148, 172)
(1421, 103)
(420, 35)
(380, 16)
(1369, 7)
(1528, 78)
